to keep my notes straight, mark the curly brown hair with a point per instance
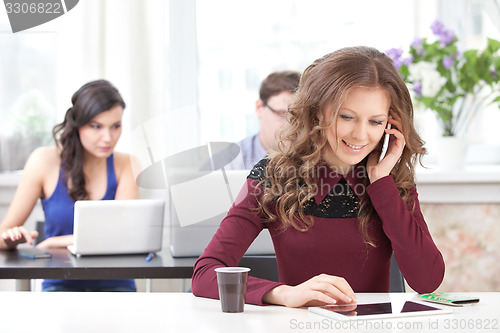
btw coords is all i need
(291, 177)
(90, 100)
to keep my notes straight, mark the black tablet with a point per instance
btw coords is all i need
(377, 310)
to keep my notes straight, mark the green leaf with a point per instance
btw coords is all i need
(493, 45)
(475, 70)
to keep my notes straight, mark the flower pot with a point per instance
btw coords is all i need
(451, 152)
(14, 151)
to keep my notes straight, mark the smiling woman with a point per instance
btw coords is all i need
(358, 128)
(335, 212)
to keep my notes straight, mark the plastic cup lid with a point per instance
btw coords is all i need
(232, 269)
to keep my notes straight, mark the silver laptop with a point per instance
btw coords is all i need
(198, 203)
(108, 227)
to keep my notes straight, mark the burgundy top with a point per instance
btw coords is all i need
(333, 245)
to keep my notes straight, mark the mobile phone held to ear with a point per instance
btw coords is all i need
(385, 145)
(33, 253)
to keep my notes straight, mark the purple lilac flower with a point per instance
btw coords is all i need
(445, 36)
(418, 45)
(448, 61)
(494, 74)
(395, 55)
(407, 61)
(417, 42)
(437, 27)
(417, 87)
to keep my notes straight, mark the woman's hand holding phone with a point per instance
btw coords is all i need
(385, 144)
(381, 163)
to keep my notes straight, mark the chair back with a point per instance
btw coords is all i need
(396, 279)
(265, 267)
(40, 227)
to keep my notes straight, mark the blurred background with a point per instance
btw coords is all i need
(190, 70)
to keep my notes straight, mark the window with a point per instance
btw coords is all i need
(240, 42)
(201, 65)
(27, 101)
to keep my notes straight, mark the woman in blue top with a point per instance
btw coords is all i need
(82, 166)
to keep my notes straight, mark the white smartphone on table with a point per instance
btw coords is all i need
(385, 144)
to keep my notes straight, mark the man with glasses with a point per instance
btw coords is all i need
(276, 94)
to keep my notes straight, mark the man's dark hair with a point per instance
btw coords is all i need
(277, 82)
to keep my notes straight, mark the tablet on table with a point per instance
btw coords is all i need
(377, 310)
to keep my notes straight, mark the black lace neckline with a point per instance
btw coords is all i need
(340, 202)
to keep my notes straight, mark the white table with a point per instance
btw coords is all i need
(182, 312)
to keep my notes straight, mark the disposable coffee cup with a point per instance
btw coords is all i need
(232, 282)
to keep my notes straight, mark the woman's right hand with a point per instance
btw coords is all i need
(18, 235)
(319, 290)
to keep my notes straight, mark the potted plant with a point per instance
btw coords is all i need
(454, 84)
(30, 125)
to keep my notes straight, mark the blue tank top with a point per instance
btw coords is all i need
(59, 215)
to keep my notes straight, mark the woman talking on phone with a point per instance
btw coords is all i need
(334, 211)
(81, 166)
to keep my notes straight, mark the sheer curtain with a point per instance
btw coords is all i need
(123, 41)
(189, 70)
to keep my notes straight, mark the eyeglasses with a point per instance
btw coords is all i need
(279, 113)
